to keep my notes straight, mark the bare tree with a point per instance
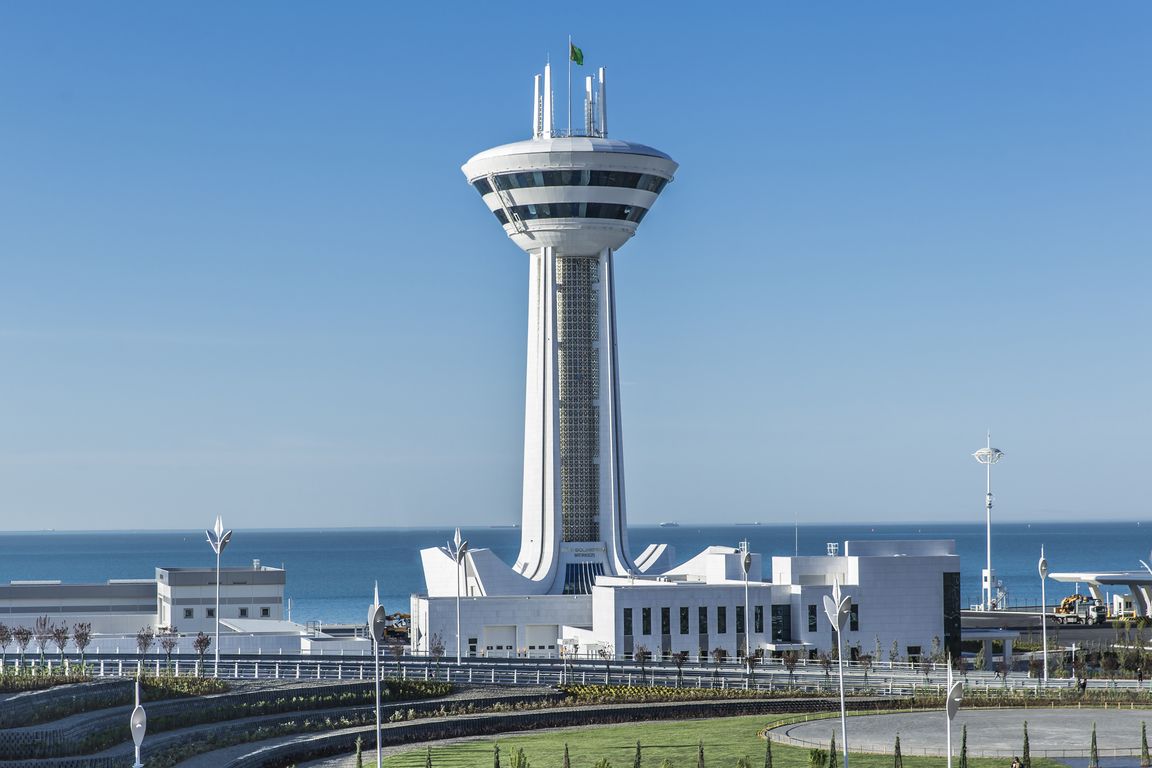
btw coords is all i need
(169, 638)
(23, 636)
(145, 638)
(81, 637)
(717, 655)
(790, 660)
(606, 655)
(5, 641)
(642, 656)
(680, 658)
(200, 645)
(866, 665)
(826, 664)
(436, 649)
(41, 633)
(60, 639)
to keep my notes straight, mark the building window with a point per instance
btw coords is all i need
(721, 619)
(913, 653)
(854, 618)
(210, 613)
(645, 621)
(243, 613)
(782, 623)
(627, 622)
(702, 613)
(811, 618)
(739, 619)
(952, 614)
(758, 619)
(188, 613)
(684, 620)
(265, 613)
(665, 621)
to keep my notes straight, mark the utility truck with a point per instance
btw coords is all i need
(1080, 609)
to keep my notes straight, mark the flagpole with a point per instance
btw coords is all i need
(569, 85)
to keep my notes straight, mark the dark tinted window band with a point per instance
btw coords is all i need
(573, 178)
(574, 211)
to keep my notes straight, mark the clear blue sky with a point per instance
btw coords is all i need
(240, 269)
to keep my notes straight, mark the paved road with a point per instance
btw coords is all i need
(991, 732)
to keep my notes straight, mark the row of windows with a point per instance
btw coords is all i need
(210, 613)
(701, 618)
(853, 617)
(572, 178)
(574, 211)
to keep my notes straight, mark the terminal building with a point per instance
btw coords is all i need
(571, 198)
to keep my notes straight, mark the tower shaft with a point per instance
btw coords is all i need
(573, 505)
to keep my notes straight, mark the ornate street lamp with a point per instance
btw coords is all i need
(218, 539)
(458, 550)
(1043, 567)
(378, 626)
(952, 705)
(837, 608)
(746, 564)
(139, 724)
(988, 456)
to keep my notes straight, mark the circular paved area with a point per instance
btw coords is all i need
(1056, 733)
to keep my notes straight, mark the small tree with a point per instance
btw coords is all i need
(495, 756)
(1109, 663)
(642, 655)
(717, 655)
(1145, 761)
(81, 636)
(936, 655)
(359, 752)
(1026, 760)
(567, 763)
(866, 665)
(1093, 753)
(897, 758)
(964, 746)
(894, 652)
(700, 756)
(636, 759)
(60, 639)
(23, 636)
(428, 759)
(790, 659)
(145, 638)
(767, 751)
(42, 633)
(817, 758)
(832, 752)
(5, 641)
(200, 645)
(877, 651)
(169, 639)
(436, 649)
(680, 658)
(519, 760)
(826, 665)
(606, 655)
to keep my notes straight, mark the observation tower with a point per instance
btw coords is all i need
(571, 199)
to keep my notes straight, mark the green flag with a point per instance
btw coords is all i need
(576, 54)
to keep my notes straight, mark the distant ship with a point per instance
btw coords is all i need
(669, 525)
(754, 523)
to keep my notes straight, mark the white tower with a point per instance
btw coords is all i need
(571, 201)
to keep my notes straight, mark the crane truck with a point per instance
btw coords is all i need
(1080, 609)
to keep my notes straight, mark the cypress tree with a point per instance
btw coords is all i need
(495, 756)
(1093, 754)
(898, 759)
(566, 763)
(700, 756)
(767, 752)
(1026, 760)
(636, 760)
(963, 747)
(832, 752)
(428, 758)
(1145, 762)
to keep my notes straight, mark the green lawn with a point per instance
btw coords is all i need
(726, 740)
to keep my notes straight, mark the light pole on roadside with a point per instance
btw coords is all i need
(988, 456)
(377, 625)
(952, 705)
(458, 549)
(837, 608)
(746, 564)
(139, 724)
(218, 539)
(1043, 567)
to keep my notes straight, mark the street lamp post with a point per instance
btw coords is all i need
(746, 563)
(377, 625)
(138, 722)
(458, 549)
(988, 456)
(952, 705)
(1044, 609)
(837, 608)
(218, 539)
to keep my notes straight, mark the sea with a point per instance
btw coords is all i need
(331, 572)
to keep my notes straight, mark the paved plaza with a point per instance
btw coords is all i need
(1056, 733)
